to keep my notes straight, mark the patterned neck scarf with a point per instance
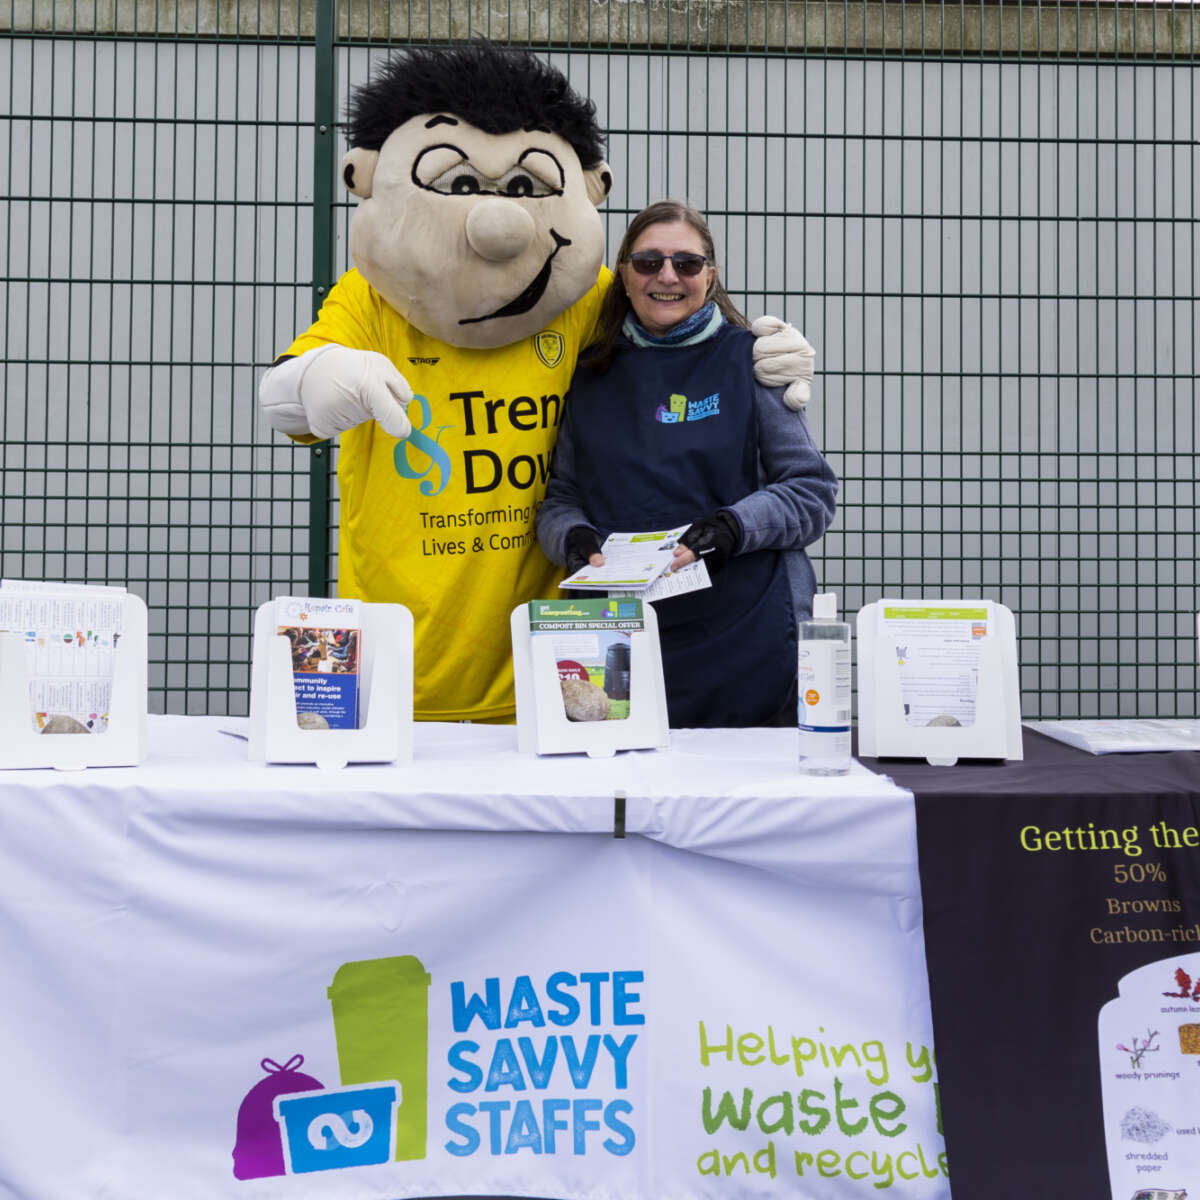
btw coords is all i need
(700, 326)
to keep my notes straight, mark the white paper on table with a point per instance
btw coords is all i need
(1122, 737)
(631, 560)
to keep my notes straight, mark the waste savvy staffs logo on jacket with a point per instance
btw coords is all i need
(290, 1124)
(678, 409)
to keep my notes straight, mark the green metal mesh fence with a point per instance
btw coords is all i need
(982, 216)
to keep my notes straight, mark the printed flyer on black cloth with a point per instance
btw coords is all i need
(1063, 944)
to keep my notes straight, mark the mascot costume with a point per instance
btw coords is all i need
(444, 356)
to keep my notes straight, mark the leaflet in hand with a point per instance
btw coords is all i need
(69, 631)
(326, 640)
(639, 564)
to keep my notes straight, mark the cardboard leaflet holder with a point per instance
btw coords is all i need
(122, 743)
(939, 680)
(385, 712)
(542, 723)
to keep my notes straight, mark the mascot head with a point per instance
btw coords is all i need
(478, 172)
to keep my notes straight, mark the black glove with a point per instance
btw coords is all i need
(580, 544)
(713, 539)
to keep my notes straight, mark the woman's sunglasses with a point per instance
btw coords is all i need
(650, 262)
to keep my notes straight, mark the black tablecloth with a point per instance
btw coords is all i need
(1049, 766)
(1026, 868)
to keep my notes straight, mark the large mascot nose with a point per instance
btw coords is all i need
(499, 229)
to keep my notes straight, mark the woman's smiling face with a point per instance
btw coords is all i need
(662, 300)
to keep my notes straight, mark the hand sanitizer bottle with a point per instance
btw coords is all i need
(823, 651)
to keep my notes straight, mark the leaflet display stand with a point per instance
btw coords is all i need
(884, 730)
(121, 744)
(542, 724)
(385, 731)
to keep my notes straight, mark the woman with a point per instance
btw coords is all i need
(666, 425)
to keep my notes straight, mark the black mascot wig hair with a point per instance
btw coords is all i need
(497, 90)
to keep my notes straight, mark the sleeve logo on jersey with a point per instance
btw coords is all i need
(550, 347)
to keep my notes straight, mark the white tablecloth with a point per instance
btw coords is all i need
(167, 927)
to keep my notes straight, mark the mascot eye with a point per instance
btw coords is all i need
(434, 162)
(460, 180)
(520, 182)
(545, 169)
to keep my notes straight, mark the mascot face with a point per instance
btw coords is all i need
(478, 239)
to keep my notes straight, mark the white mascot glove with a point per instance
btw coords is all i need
(783, 356)
(332, 388)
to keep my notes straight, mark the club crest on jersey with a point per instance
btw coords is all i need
(550, 347)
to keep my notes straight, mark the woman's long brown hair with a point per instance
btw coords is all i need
(616, 306)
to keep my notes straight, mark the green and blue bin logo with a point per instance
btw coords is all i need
(290, 1124)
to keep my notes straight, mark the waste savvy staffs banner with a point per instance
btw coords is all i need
(250, 996)
(1063, 941)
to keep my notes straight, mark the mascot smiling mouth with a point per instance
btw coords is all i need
(532, 294)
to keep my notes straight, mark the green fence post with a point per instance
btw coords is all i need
(325, 147)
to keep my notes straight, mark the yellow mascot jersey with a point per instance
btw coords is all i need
(443, 521)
